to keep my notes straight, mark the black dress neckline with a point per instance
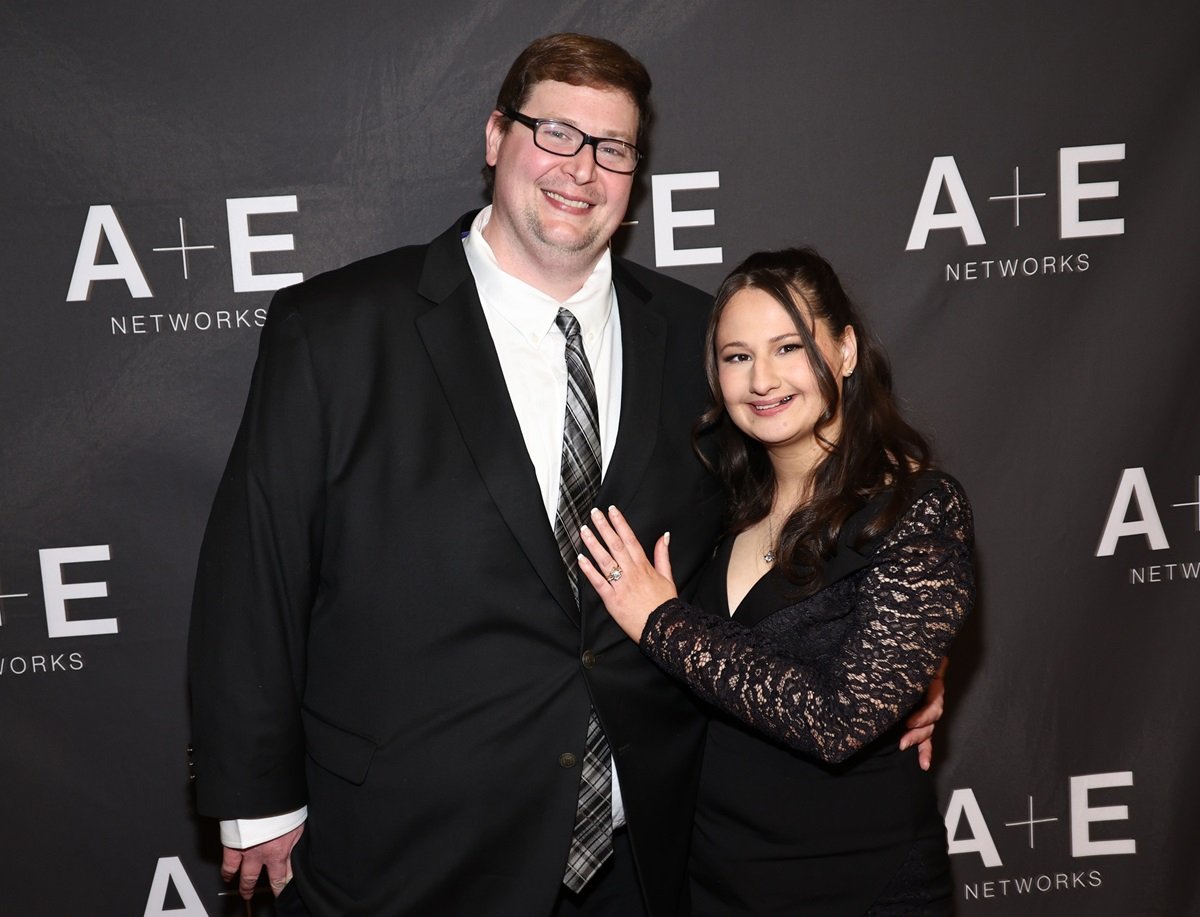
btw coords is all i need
(773, 590)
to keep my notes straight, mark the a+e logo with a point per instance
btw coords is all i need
(103, 223)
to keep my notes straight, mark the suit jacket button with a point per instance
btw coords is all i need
(589, 659)
(566, 759)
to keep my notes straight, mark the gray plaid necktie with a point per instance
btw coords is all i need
(591, 841)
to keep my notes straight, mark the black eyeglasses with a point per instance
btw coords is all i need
(564, 139)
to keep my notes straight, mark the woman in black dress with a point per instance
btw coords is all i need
(821, 619)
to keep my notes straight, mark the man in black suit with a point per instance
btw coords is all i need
(388, 660)
(392, 674)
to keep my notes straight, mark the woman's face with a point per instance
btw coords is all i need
(769, 389)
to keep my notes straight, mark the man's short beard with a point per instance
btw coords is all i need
(586, 243)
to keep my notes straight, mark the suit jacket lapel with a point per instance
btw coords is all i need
(456, 336)
(643, 354)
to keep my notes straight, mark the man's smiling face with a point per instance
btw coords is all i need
(557, 212)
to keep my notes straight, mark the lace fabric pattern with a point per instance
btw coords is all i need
(834, 671)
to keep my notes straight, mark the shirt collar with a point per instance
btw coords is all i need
(527, 308)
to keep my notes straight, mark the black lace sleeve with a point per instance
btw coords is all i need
(905, 609)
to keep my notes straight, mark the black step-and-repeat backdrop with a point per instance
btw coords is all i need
(1011, 189)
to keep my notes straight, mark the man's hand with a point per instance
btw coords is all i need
(275, 855)
(920, 724)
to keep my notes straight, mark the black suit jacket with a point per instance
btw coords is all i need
(383, 629)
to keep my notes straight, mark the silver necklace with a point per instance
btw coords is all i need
(769, 553)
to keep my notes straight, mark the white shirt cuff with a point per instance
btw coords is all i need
(240, 833)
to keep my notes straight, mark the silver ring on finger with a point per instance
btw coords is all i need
(614, 574)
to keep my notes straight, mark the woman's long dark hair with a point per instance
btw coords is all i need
(877, 451)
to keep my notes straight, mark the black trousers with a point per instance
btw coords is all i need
(612, 892)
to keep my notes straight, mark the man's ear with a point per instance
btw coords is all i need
(493, 135)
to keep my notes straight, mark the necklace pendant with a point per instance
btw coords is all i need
(769, 557)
